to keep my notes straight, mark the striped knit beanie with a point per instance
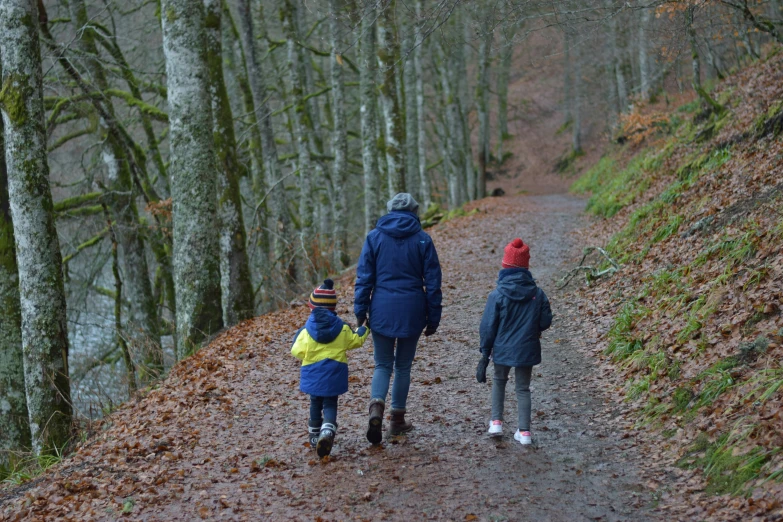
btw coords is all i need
(324, 296)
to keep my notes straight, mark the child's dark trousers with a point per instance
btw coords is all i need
(323, 409)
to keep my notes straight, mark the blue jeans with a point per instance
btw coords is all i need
(327, 405)
(386, 360)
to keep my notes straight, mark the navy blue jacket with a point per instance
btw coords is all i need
(517, 312)
(398, 277)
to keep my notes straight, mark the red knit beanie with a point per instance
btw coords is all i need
(516, 255)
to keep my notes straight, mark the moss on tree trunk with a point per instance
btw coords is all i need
(14, 423)
(42, 297)
(236, 283)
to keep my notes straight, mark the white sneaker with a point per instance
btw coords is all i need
(524, 437)
(495, 428)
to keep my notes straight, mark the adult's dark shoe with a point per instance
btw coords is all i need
(398, 424)
(375, 424)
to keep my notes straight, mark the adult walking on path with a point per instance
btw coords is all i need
(398, 290)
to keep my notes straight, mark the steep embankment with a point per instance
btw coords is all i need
(691, 325)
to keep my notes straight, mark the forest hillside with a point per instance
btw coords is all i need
(690, 325)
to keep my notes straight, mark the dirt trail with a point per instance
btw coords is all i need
(224, 438)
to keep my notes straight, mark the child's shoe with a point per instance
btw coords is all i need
(325, 439)
(524, 437)
(495, 428)
(313, 431)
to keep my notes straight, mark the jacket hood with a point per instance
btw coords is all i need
(403, 201)
(517, 284)
(323, 325)
(399, 223)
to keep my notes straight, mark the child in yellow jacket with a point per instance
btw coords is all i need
(321, 345)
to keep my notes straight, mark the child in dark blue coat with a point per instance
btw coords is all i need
(516, 313)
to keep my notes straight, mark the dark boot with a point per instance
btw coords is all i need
(325, 439)
(398, 424)
(375, 428)
(313, 430)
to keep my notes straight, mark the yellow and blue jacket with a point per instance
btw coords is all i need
(321, 345)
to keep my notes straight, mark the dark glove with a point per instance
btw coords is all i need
(431, 329)
(481, 369)
(360, 319)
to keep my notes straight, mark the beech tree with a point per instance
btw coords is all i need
(14, 423)
(367, 103)
(236, 282)
(41, 291)
(388, 55)
(193, 174)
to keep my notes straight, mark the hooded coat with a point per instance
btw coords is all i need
(321, 346)
(516, 313)
(398, 277)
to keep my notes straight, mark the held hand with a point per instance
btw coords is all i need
(481, 369)
(431, 329)
(360, 319)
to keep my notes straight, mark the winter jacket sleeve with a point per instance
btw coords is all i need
(365, 279)
(545, 320)
(356, 339)
(488, 329)
(432, 280)
(299, 349)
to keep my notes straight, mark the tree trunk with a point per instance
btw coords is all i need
(576, 106)
(276, 196)
(239, 69)
(713, 57)
(42, 296)
(504, 72)
(468, 179)
(236, 283)
(130, 368)
(482, 98)
(617, 64)
(644, 66)
(145, 330)
(14, 421)
(192, 171)
(567, 76)
(412, 181)
(696, 63)
(288, 16)
(421, 144)
(339, 141)
(367, 71)
(388, 50)
(454, 142)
